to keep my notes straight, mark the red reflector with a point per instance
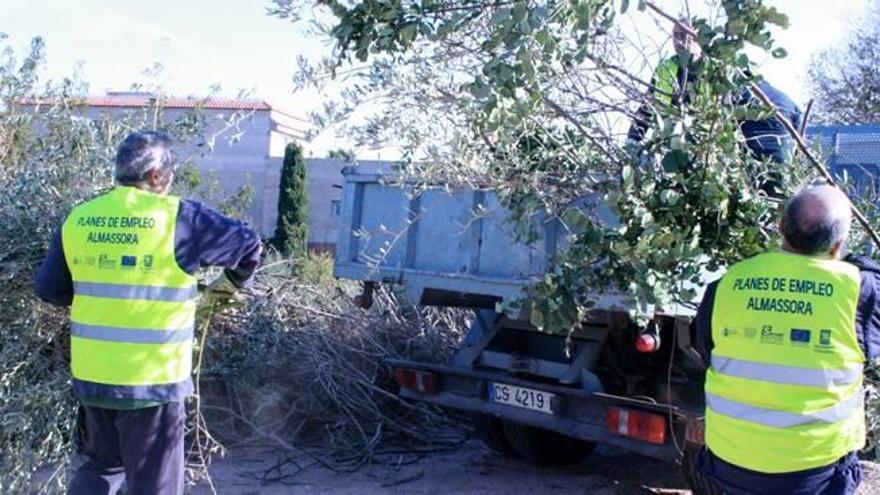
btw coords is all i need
(636, 424)
(647, 343)
(420, 381)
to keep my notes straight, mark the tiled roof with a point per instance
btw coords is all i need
(143, 100)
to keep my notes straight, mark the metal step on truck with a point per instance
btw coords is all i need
(530, 394)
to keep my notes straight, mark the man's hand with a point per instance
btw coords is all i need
(220, 294)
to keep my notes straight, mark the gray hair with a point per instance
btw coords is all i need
(816, 219)
(140, 153)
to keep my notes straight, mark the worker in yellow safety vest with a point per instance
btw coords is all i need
(125, 263)
(785, 335)
(673, 77)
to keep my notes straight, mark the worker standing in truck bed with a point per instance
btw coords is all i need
(675, 78)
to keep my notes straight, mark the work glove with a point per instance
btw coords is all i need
(220, 294)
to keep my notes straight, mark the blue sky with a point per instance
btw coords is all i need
(234, 43)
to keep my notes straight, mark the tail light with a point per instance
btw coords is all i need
(695, 431)
(637, 424)
(423, 382)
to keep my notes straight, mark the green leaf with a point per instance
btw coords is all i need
(408, 33)
(624, 4)
(779, 52)
(501, 16)
(669, 197)
(573, 217)
(675, 160)
(626, 173)
(537, 318)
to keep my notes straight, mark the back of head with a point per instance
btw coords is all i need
(140, 153)
(816, 219)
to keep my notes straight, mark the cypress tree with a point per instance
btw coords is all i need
(291, 232)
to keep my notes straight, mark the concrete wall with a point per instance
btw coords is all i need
(235, 155)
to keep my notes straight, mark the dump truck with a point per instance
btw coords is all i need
(542, 397)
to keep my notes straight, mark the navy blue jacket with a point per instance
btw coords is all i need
(846, 471)
(203, 237)
(768, 138)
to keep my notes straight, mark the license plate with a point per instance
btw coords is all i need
(525, 398)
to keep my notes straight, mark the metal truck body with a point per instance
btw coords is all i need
(529, 391)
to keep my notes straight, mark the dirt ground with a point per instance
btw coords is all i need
(469, 469)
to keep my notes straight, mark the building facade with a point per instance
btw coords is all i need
(242, 144)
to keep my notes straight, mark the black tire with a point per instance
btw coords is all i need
(697, 482)
(491, 432)
(541, 446)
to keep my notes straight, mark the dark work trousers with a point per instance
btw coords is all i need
(141, 447)
(840, 478)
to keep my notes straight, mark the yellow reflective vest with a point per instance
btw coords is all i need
(666, 83)
(133, 307)
(784, 390)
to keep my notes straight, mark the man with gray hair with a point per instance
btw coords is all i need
(125, 263)
(784, 336)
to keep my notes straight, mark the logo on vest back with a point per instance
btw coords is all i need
(800, 336)
(128, 262)
(769, 336)
(106, 263)
(739, 332)
(147, 263)
(824, 344)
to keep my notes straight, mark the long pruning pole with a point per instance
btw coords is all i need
(798, 137)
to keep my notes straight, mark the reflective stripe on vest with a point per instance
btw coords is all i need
(784, 389)
(133, 310)
(781, 419)
(791, 375)
(146, 292)
(133, 335)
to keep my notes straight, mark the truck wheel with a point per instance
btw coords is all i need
(491, 432)
(544, 446)
(699, 484)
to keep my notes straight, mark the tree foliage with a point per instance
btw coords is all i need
(291, 233)
(845, 80)
(532, 96)
(341, 154)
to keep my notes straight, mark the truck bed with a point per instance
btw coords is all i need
(446, 247)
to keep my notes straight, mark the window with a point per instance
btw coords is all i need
(335, 207)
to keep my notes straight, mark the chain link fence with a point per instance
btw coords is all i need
(853, 153)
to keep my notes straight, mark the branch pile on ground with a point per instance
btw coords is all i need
(302, 367)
